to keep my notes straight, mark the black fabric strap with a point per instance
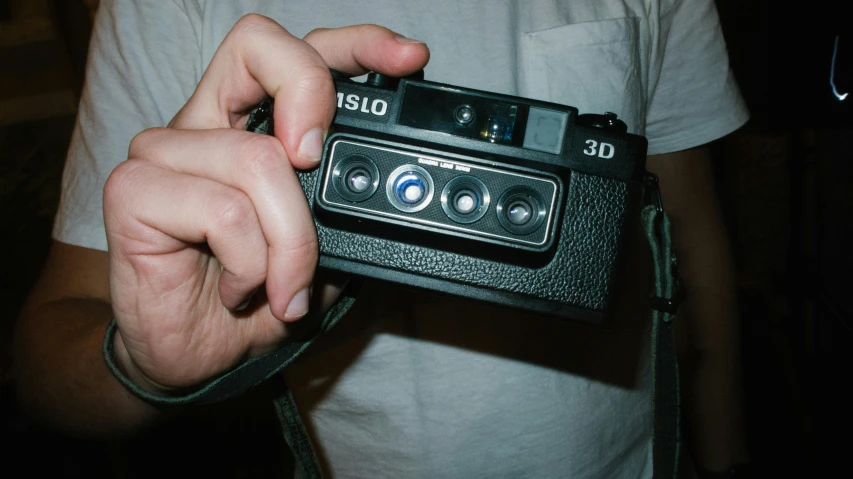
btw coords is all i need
(666, 397)
(294, 432)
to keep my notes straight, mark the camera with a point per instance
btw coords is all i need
(513, 201)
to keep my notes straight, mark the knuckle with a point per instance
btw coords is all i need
(301, 247)
(232, 210)
(367, 29)
(313, 79)
(313, 34)
(123, 180)
(143, 141)
(251, 22)
(262, 155)
(251, 29)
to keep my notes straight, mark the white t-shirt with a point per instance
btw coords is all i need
(411, 384)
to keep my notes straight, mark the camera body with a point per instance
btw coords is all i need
(517, 202)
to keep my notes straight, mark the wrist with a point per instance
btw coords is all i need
(124, 362)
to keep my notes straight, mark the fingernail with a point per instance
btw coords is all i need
(298, 305)
(402, 39)
(311, 145)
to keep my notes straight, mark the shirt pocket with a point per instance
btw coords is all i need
(593, 66)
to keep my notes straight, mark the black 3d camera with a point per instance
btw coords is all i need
(497, 198)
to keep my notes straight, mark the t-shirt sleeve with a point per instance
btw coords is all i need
(143, 65)
(695, 99)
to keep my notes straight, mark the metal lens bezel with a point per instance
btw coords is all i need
(459, 112)
(346, 166)
(391, 188)
(531, 197)
(456, 184)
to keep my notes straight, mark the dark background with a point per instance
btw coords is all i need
(784, 181)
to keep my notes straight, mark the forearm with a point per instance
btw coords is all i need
(62, 377)
(707, 324)
(708, 342)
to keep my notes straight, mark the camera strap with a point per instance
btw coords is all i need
(666, 395)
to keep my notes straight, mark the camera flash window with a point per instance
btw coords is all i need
(545, 130)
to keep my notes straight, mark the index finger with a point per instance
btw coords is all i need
(259, 57)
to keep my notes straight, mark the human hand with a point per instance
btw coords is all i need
(203, 214)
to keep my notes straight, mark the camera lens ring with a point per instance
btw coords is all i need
(464, 114)
(521, 210)
(404, 180)
(345, 182)
(460, 185)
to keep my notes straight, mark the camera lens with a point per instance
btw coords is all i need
(463, 114)
(355, 178)
(409, 188)
(465, 202)
(465, 199)
(521, 210)
(518, 213)
(358, 180)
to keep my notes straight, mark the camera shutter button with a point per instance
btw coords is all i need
(607, 121)
(380, 81)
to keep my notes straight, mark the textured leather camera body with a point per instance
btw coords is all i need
(512, 201)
